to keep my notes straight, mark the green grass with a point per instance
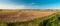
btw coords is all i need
(52, 20)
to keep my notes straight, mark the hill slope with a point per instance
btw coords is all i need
(22, 15)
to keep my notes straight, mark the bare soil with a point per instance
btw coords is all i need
(22, 15)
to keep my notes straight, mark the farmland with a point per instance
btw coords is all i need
(28, 18)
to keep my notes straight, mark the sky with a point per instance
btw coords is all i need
(29, 4)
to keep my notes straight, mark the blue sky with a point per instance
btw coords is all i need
(29, 4)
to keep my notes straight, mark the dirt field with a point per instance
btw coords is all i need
(22, 15)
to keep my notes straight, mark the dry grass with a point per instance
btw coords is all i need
(22, 15)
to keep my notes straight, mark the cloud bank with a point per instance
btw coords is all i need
(6, 4)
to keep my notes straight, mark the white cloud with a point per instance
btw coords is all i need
(9, 5)
(4, 6)
(33, 3)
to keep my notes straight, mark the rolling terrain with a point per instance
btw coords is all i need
(22, 15)
(29, 18)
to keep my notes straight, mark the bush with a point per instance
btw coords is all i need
(54, 21)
